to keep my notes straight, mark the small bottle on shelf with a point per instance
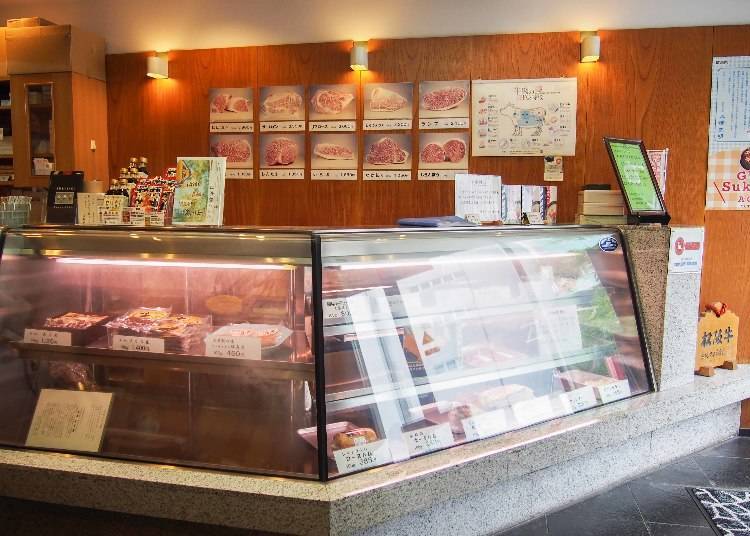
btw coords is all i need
(143, 167)
(125, 191)
(133, 165)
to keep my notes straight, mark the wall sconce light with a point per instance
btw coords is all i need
(590, 47)
(158, 66)
(358, 56)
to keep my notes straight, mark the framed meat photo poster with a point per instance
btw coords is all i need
(333, 108)
(238, 150)
(282, 156)
(230, 110)
(388, 106)
(442, 155)
(387, 157)
(282, 109)
(334, 157)
(444, 105)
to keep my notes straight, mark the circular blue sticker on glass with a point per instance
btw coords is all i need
(608, 243)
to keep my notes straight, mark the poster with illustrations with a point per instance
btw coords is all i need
(238, 150)
(444, 105)
(282, 156)
(443, 154)
(334, 156)
(728, 180)
(524, 117)
(282, 108)
(387, 157)
(388, 106)
(230, 109)
(333, 108)
(199, 195)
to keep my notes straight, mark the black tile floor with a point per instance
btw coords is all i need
(656, 504)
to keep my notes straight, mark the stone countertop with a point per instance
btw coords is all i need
(351, 503)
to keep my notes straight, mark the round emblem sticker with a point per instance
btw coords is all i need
(608, 243)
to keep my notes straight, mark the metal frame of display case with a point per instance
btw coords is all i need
(290, 370)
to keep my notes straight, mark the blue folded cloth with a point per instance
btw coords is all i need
(436, 221)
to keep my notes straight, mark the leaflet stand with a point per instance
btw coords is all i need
(637, 181)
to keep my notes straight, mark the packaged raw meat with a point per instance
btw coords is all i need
(385, 100)
(432, 153)
(386, 151)
(331, 151)
(330, 101)
(285, 102)
(182, 333)
(443, 98)
(280, 152)
(84, 328)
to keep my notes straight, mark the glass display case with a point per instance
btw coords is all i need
(307, 353)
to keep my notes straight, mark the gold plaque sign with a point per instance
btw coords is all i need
(717, 342)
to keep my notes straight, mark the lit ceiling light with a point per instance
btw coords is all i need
(590, 47)
(158, 66)
(358, 56)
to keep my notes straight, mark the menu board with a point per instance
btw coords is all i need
(444, 105)
(632, 168)
(524, 117)
(387, 157)
(199, 194)
(231, 110)
(334, 156)
(238, 150)
(443, 155)
(282, 109)
(388, 106)
(333, 108)
(282, 156)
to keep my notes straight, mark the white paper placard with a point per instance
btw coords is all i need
(111, 217)
(613, 391)
(362, 456)
(559, 329)
(535, 218)
(333, 174)
(533, 411)
(429, 439)
(89, 208)
(69, 420)
(386, 175)
(486, 424)
(233, 347)
(282, 173)
(440, 174)
(444, 123)
(232, 128)
(332, 126)
(131, 343)
(45, 336)
(335, 309)
(386, 124)
(686, 250)
(137, 216)
(479, 196)
(580, 399)
(155, 219)
(553, 168)
(239, 173)
(282, 126)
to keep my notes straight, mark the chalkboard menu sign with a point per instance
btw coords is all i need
(62, 196)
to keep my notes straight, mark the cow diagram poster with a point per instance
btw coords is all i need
(728, 178)
(524, 117)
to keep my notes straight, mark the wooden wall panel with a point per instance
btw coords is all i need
(89, 123)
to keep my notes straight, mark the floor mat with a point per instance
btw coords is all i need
(727, 510)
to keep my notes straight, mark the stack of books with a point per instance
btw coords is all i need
(601, 207)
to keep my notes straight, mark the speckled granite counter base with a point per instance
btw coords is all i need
(472, 489)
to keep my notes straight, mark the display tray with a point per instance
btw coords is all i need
(269, 369)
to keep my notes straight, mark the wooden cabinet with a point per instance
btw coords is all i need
(56, 116)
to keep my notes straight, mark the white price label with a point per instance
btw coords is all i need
(533, 411)
(535, 218)
(439, 174)
(131, 343)
(45, 336)
(332, 126)
(282, 173)
(233, 347)
(111, 217)
(387, 124)
(613, 391)
(486, 424)
(282, 126)
(333, 174)
(155, 219)
(335, 309)
(580, 399)
(362, 456)
(232, 128)
(239, 174)
(386, 175)
(429, 439)
(444, 122)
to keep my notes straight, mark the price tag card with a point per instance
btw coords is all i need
(239, 174)
(131, 343)
(533, 411)
(234, 347)
(156, 219)
(613, 391)
(362, 456)
(45, 336)
(111, 216)
(535, 218)
(135, 216)
(444, 122)
(282, 173)
(232, 128)
(580, 399)
(387, 124)
(282, 126)
(486, 424)
(439, 174)
(335, 309)
(429, 439)
(333, 174)
(386, 175)
(69, 420)
(332, 126)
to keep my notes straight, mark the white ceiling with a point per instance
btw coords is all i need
(137, 25)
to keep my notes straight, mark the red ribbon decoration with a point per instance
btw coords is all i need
(717, 308)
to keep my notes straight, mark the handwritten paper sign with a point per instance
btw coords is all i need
(44, 336)
(440, 174)
(559, 330)
(333, 174)
(387, 124)
(486, 424)
(361, 457)
(131, 343)
(282, 173)
(231, 128)
(580, 399)
(386, 175)
(534, 410)
(444, 123)
(335, 309)
(239, 174)
(613, 391)
(333, 126)
(233, 347)
(69, 420)
(478, 196)
(429, 439)
(282, 126)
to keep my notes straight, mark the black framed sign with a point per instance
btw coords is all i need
(637, 180)
(62, 195)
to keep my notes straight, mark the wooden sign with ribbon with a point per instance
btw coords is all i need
(718, 329)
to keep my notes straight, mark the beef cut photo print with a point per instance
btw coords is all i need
(387, 151)
(282, 103)
(282, 151)
(444, 150)
(333, 102)
(230, 104)
(388, 100)
(333, 151)
(236, 148)
(444, 99)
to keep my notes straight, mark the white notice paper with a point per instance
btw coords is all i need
(535, 410)
(69, 420)
(559, 330)
(580, 399)
(44, 336)
(486, 424)
(429, 439)
(613, 391)
(233, 347)
(478, 197)
(131, 343)
(686, 250)
(362, 456)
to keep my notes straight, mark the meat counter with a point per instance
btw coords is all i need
(307, 353)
